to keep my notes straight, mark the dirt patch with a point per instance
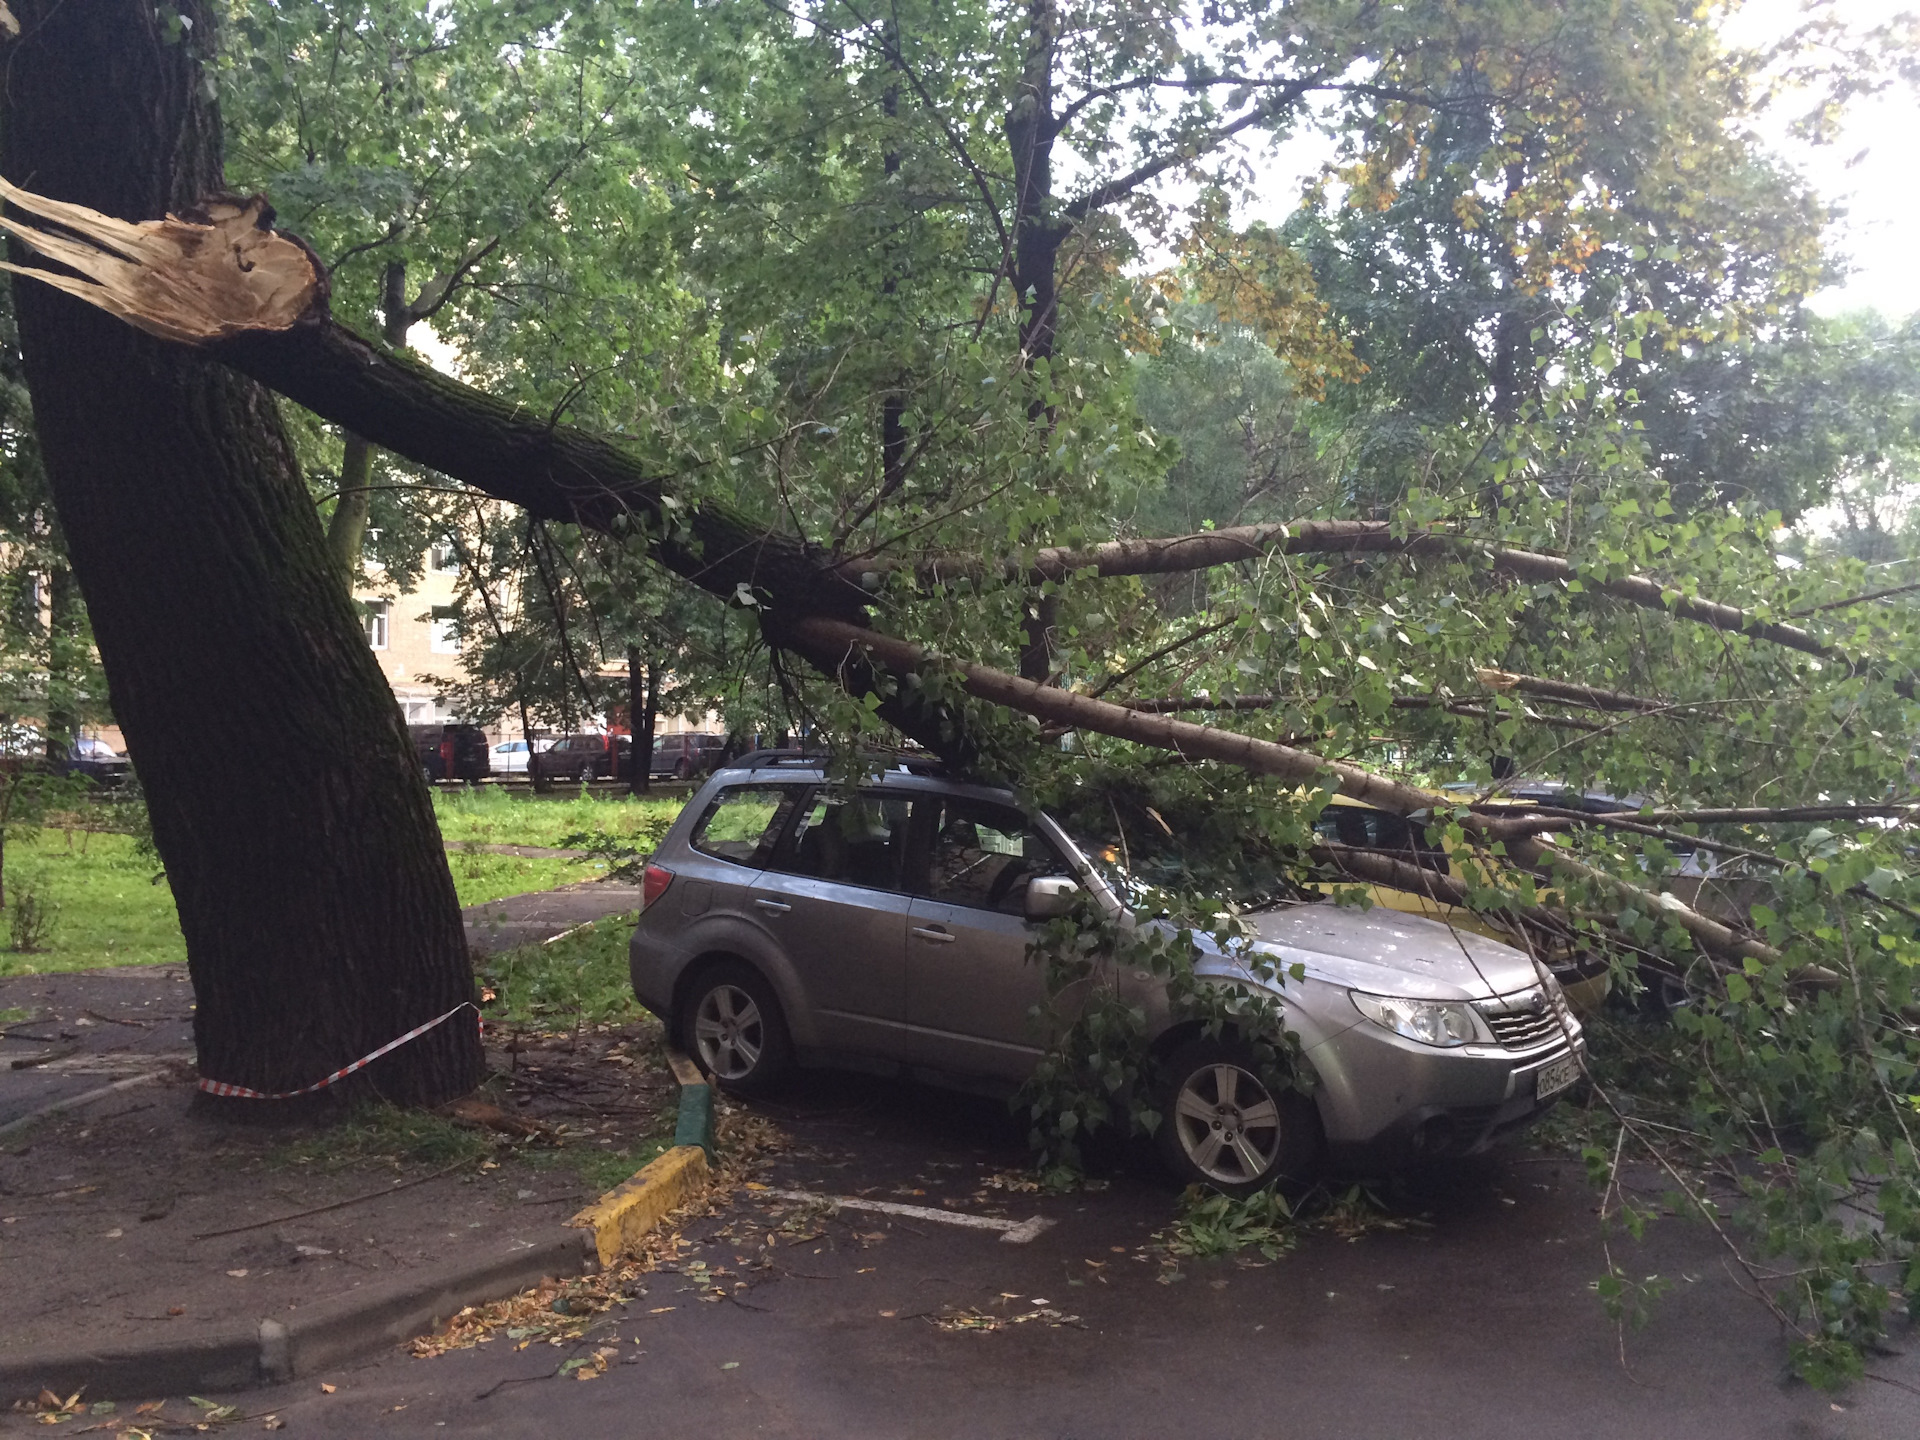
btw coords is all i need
(136, 1220)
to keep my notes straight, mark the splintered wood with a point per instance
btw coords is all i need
(190, 280)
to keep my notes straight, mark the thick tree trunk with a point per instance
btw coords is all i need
(319, 914)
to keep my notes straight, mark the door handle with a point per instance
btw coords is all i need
(778, 907)
(935, 934)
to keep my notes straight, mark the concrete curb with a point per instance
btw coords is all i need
(363, 1322)
(305, 1341)
(621, 1217)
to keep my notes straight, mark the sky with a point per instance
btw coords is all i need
(1870, 172)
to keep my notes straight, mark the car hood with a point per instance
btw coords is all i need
(1388, 952)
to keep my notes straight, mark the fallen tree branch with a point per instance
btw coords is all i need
(1909, 811)
(1175, 705)
(1566, 692)
(1177, 554)
(825, 638)
(225, 282)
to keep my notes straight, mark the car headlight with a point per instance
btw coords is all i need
(1445, 1023)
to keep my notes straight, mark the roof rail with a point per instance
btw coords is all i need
(766, 759)
(761, 759)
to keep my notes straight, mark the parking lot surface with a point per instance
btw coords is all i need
(1475, 1318)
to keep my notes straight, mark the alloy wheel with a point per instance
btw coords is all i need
(729, 1032)
(1227, 1123)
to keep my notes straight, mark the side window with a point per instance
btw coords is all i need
(744, 823)
(857, 841)
(983, 855)
(1365, 828)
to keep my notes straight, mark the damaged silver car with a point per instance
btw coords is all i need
(791, 921)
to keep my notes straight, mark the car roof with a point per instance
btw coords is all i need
(799, 772)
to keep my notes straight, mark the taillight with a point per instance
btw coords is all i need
(446, 755)
(654, 881)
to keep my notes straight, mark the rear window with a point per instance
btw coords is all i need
(744, 822)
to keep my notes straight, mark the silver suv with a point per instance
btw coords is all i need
(786, 920)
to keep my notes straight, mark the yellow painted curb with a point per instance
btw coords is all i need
(622, 1216)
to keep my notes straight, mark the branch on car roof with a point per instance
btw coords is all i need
(1384, 867)
(856, 645)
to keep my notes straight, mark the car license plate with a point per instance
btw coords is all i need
(1556, 1075)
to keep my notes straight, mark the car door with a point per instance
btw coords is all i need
(834, 898)
(971, 989)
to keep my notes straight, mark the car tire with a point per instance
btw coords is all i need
(1226, 1125)
(732, 1024)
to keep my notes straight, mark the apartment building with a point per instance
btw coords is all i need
(416, 636)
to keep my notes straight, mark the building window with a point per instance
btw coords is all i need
(446, 630)
(374, 615)
(443, 560)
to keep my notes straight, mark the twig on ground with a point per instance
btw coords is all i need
(338, 1204)
(111, 1020)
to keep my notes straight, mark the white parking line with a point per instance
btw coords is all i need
(1012, 1232)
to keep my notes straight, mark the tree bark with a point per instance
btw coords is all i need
(319, 915)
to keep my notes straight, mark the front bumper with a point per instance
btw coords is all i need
(1386, 1101)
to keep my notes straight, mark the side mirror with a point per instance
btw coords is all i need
(1050, 895)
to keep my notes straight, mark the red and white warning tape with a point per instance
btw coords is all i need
(241, 1092)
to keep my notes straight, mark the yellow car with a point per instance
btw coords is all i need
(1583, 974)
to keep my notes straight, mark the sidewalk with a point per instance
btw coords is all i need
(129, 1222)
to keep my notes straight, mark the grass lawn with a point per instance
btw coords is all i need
(489, 816)
(108, 911)
(106, 908)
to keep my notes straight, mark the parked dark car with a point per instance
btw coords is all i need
(96, 760)
(451, 752)
(574, 757)
(685, 756)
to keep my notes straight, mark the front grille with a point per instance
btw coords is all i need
(1523, 1029)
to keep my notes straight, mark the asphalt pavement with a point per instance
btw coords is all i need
(1477, 1318)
